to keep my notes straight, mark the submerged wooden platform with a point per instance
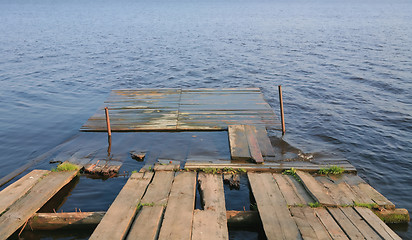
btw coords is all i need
(182, 110)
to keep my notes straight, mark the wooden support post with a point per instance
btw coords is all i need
(109, 131)
(282, 117)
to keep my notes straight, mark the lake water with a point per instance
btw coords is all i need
(345, 68)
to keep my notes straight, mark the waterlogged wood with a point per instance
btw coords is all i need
(66, 220)
(316, 190)
(329, 223)
(239, 147)
(292, 190)
(380, 227)
(254, 148)
(273, 210)
(18, 213)
(264, 142)
(123, 209)
(211, 222)
(177, 221)
(147, 223)
(309, 225)
(345, 223)
(15, 191)
(360, 223)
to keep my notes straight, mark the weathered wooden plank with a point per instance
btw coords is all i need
(360, 223)
(347, 226)
(376, 196)
(273, 210)
(316, 190)
(239, 147)
(159, 189)
(264, 142)
(166, 167)
(254, 148)
(66, 220)
(147, 223)
(18, 213)
(292, 190)
(309, 225)
(334, 191)
(18, 189)
(181, 203)
(331, 226)
(380, 227)
(211, 223)
(123, 209)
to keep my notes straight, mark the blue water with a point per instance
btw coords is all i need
(345, 68)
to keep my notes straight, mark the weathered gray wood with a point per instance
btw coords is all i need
(331, 226)
(66, 220)
(239, 147)
(292, 191)
(211, 223)
(254, 148)
(123, 209)
(159, 189)
(273, 210)
(166, 167)
(316, 190)
(376, 196)
(347, 226)
(18, 189)
(264, 142)
(309, 225)
(20, 212)
(147, 223)
(177, 221)
(335, 191)
(380, 227)
(360, 223)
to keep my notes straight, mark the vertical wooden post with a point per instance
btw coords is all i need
(282, 116)
(109, 131)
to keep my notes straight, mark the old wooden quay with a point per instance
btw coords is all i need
(292, 198)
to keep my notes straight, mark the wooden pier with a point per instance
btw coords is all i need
(293, 199)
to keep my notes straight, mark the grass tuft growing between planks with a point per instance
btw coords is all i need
(333, 170)
(65, 167)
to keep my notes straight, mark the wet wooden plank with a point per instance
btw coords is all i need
(380, 227)
(254, 148)
(211, 223)
(309, 225)
(273, 210)
(292, 190)
(66, 220)
(331, 226)
(264, 142)
(360, 223)
(123, 209)
(20, 212)
(239, 147)
(316, 190)
(18, 189)
(177, 221)
(345, 223)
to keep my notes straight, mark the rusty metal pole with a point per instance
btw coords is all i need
(282, 116)
(109, 131)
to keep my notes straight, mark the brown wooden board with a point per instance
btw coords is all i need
(177, 221)
(18, 189)
(309, 225)
(147, 223)
(336, 192)
(66, 220)
(239, 147)
(317, 190)
(293, 192)
(331, 226)
(345, 223)
(211, 222)
(360, 223)
(272, 207)
(20, 212)
(123, 209)
(254, 148)
(264, 142)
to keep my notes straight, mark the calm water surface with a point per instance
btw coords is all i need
(345, 67)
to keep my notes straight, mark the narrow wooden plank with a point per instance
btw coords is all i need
(159, 189)
(239, 147)
(380, 227)
(264, 142)
(347, 226)
(211, 223)
(38, 195)
(376, 196)
(254, 148)
(331, 226)
(315, 189)
(66, 220)
(334, 191)
(181, 203)
(289, 190)
(123, 209)
(360, 223)
(18, 189)
(166, 167)
(309, 225)
(147, 224)
(273, 210)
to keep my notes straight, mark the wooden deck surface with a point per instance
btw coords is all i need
(182, 110)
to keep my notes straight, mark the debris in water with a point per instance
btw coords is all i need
(139, 156)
